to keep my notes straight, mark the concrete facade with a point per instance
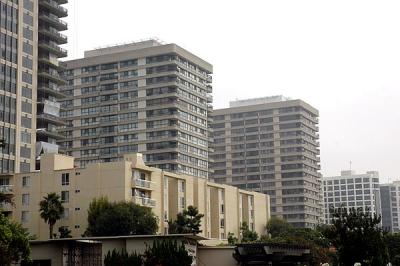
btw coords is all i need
(224, 207)
(143, 97)
(390, 204)
(351, 190)
(271, 145)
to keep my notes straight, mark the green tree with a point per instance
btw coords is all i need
(247, 234)
(187, 222)
(14, 242)
(278, 227)
(357, 237)
(119, 218)
(64, 232)
(51, 210)
(393, 244)
(167, 253)
(232, 239)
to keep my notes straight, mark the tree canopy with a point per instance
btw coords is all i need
(51, 210)
(187, 222)
(357, 237)
(14, 242)
(119, 218)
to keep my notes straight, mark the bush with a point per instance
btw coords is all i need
(122, 258)
(167, 253)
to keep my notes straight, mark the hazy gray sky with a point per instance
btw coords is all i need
(342, 57)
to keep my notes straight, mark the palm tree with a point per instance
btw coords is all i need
(51, 210)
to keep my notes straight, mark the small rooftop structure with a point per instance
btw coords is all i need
(261, 100)
(117, 48)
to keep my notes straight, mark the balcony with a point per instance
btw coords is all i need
(7, 189)
(53, 21)
(142, 184)
(50, 132)
(209, 79)
(6, 207)
(54, 7)
(51, 90)
(54, 35)
(144, 201)
(53, 48)
(50, 118)
(209, 98)
(52, 75)
(209, 89)
(51, 63)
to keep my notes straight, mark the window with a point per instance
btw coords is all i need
(26, 181)
(65, 214)
(222, 223)
(65, 196)
(65, 179)
(25, 199)
(24, 216)
(182, 187)
(182, 202)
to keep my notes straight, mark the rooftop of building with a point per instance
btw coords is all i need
(260, 100)
(124, 47)
(353, 174)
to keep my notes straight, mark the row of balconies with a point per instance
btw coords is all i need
(54, 7)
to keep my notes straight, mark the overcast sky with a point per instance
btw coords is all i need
(342, 57)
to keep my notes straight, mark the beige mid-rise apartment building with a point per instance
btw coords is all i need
(145, 97)
(29, 51)
(271, 145)
(225, 207)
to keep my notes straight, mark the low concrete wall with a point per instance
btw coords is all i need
(215, 256)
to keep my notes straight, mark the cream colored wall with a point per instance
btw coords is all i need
(231, 211)
(215, 256)
(47, 251)
(114, 180)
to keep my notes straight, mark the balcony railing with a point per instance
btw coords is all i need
(55, 34)
(5, 206)
(53, 20)
(144, 201)
(142, 183)
(55, 7)
(6, 189)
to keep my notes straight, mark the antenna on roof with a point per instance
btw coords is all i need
(350, 165)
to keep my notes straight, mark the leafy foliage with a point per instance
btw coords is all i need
(51, 209)
(187, 222)
(282, 232)
(122, 258)
(357, 237)
(167, 253)
(119, 218)
(14, 242)
(64, 232)
(232, 240)
(393, 244)
(247, 234)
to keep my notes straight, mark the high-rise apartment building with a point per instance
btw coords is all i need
(351, 190)
(271, 145)
(142, 97)
(28, 33)
(49, 81)
(225, 208)
(390, 204)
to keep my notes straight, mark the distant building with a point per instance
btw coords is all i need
(271, 145)
(145, 97)
(351, 190)
(390, 201)
(225, 207)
